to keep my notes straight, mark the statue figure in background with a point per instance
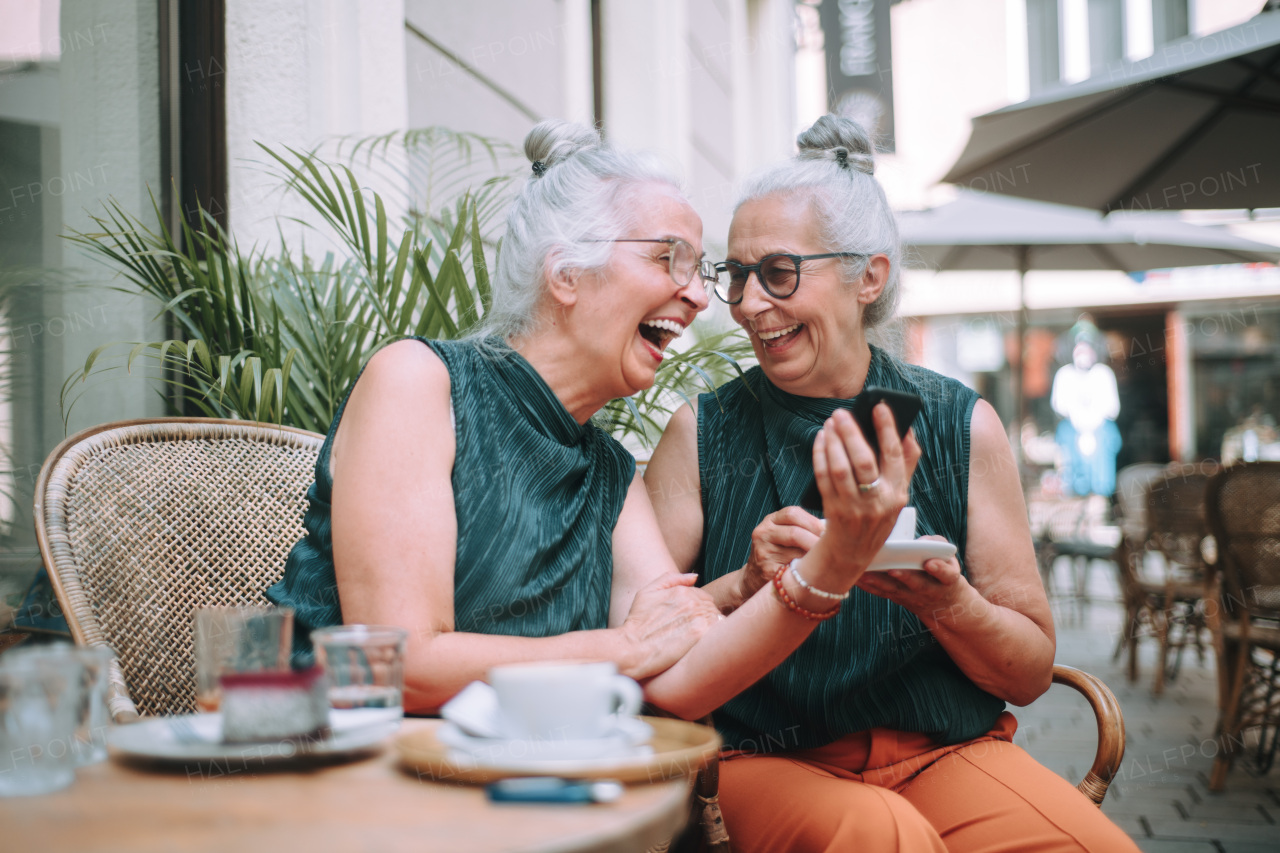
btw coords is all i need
(1084, 394)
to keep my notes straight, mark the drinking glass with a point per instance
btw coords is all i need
(238, 639)
(90, 742)
(40, 697)
(364, 665)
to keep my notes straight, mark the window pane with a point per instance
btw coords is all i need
(1043, 52)
(1106, 33)
(1169, 20)
(79, 124)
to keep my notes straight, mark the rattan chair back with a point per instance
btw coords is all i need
(141, 522)
(1176, 525)
(1132, 482)
(1244, 514)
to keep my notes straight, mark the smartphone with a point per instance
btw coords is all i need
(903, 404)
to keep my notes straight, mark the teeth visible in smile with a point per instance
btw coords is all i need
(665, 325)
(777, 333)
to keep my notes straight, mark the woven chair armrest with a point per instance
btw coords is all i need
(1106, 762)
(119, 703)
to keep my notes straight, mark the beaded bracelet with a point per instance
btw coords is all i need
(813, 590)
(781, 592)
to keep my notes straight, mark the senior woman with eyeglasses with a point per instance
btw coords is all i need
(462, 492)
(886, 729)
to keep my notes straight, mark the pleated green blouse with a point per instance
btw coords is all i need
(874, 664)
(536, 496)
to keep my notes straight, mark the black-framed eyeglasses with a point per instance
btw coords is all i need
(683, 262)
(779, 274)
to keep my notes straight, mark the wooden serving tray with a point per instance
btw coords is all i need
(680, 749)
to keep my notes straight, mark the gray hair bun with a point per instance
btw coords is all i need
(555, 140)
(840, 139)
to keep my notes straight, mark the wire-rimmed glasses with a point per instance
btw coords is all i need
(683, 263)
(779, 274)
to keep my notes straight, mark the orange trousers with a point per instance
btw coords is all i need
(888, 791)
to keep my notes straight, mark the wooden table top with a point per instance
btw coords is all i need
(370, 804)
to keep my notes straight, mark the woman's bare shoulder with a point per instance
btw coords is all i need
(402, 398)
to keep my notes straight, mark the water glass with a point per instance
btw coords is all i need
(92, 716)
(40, 700)
(235, 640)
(364, 665)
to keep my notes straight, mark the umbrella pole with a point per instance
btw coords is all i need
(1019, 390)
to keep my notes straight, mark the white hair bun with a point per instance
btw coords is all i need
(555, 140)
(840, 139)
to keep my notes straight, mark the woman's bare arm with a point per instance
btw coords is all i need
(996, 625)
(675, 489)
(762, 632)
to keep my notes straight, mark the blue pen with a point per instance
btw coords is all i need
(550, 789)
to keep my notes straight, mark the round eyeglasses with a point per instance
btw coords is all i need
(683, 261)
(779, 274)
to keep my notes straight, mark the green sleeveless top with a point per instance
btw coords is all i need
(536, 496)
(874, 664)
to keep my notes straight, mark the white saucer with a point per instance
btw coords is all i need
(198, 737)
(909, 554)
(626, 741)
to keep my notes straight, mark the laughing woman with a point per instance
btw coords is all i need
(463, 494)
(886, 730)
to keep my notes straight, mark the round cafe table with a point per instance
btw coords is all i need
(370, 804)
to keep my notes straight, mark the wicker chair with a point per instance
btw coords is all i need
(1140, 609)
(1110, 750)
(1243, 508)
(140, 522)
(1061, 529)
(1176, 530)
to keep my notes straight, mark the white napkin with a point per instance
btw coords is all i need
(475, 711)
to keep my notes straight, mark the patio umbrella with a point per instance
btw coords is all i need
(1194, 126)
(982, 231)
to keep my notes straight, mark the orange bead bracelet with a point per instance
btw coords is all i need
(785, 597)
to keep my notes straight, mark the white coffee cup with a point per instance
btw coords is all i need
(905, 528)
(562, 701)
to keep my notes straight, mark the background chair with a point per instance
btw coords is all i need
(141, 522)
(1132, 482)
(1176, 531)
(1243, 509)
(1062, 527)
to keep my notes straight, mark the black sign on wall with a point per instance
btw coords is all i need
(860, 64)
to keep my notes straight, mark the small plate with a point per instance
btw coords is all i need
(626, 741)
(198, 737)
(677, 749)
(909, 554)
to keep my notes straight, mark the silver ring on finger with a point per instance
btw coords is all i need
(869, 487)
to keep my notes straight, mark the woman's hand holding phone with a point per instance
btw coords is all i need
(862, 494)
(903, 405)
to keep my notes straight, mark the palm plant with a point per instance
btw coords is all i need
(281, 337)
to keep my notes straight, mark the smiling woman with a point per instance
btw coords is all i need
(888, 728)
(462, 492)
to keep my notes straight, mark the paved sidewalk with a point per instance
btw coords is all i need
(1161, 796)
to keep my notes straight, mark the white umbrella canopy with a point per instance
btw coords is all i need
(1194, 126)
(982, 231)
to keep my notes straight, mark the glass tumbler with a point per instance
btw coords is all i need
(92, 716)
(364, 666)
(40, 699)
(237, 640)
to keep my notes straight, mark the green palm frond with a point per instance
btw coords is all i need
(282, 337)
